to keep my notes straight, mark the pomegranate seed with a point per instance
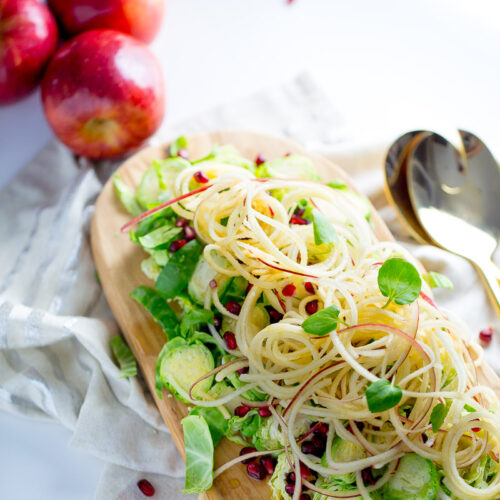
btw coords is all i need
(309, 287)
(249, 287)
(475, 429)
(245, 451)
(303, 496)
(212, 284)
(217, 321)
(294, 219)
(307, 447)
(260, 160)
(230, 340)
(274, 315)
(200, 177)
(290, 488)
(264, 412)
(181, 222)
(287, 154)
(183, 153)
(288, 290)
(269, 463)
(312, 307)
(242, 410)
(321, 429)
(233, 307)
(319, 443)
(306, 473)
(256, 470)
(290, 477)
(189, 233)
(243, 370)
(367, 476)
(176, 245)
(424, 437)
(146, 487)
(299, 212)
(486, 335)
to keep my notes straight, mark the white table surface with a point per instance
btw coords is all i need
(388, 65)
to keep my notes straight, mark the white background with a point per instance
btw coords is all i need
(388, 66)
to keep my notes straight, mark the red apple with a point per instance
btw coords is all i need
(139, 18)
(28, 37)
(103, 94)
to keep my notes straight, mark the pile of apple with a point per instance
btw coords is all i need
(103, 92)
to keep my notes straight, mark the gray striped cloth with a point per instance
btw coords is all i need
(55, 324)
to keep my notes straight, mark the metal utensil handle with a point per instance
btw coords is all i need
(489, 272)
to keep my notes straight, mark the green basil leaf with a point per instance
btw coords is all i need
(382, 396)
(193, 318)
(199, 451)
(158, 308)
(124, 356)
(217, 424)
(175, 276)
(322, 322)
(399, 281)
(437, 280)
(324, 232)
(438, 415)
(126, 196)
(179, 143)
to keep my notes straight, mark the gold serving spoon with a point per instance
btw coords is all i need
(449, 196)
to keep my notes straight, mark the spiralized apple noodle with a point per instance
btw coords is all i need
(416, 346)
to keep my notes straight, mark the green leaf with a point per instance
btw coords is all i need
(324, 232)
(158, 237)
(337, 184)
(193, 318)
(157, 306)
(469, 408)
(175, 276)
(179, 143)
(199, 450)
(245, 426)
(124, 356)
(382, 396)
(217, 424)
(437, 280)
(126, 196)
(438, 415)
(399, 281)
(322, 322)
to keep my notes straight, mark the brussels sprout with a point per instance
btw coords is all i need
(155, 186)
(199, 284)
(259, 319)
(278, 479)
(344, 451)
(150, 268)
(183, 364)
(328, 484)
(268, 436)
(415, 479)
(289, 167)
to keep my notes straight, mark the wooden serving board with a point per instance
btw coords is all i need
(118, 263)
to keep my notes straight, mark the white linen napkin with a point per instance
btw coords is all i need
(55, 324)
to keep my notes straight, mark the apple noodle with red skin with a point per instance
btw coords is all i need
(416, 345)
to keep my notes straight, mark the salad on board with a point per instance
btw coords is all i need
(292, 331)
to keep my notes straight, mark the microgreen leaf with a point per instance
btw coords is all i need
(469, 408)
(324, 232)
(322, 322)
(175, 276)
(399, 281)
(437, 280)
(382, 396)
(438, 415)
(199, 451)
(124, 356)
(179, 143)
